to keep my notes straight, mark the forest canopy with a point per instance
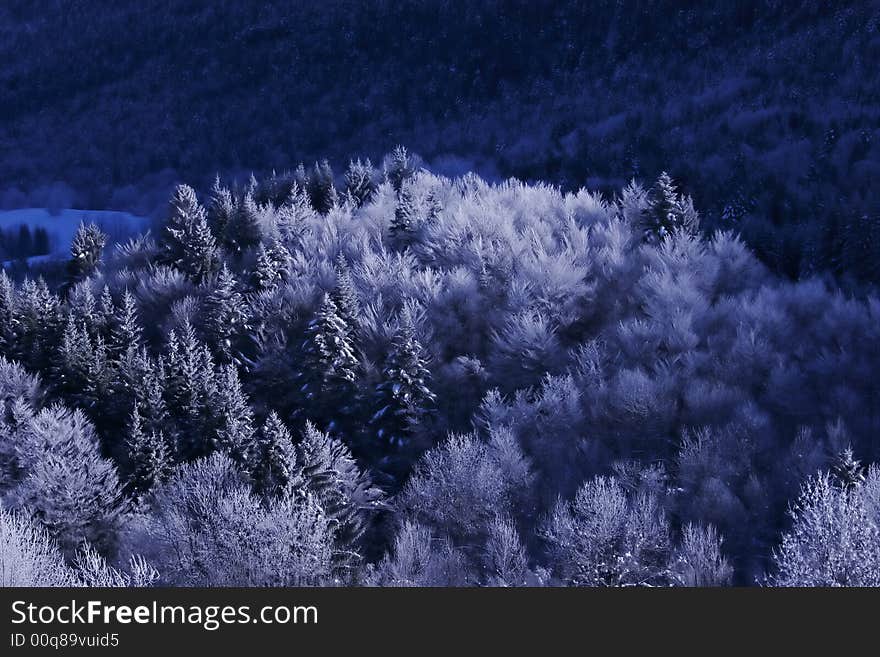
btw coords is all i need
(390, 377)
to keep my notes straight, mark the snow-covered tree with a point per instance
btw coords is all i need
(149, 460)
(226, 314)
(330, 364)
(320, 187)
(272, 460)
(85, 252)
(403, 397)
(360, 182)
(187, 242)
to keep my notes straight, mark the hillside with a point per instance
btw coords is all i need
(417, 380)
(766, 112)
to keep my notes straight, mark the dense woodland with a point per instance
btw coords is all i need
(764, 111)
(390, 377)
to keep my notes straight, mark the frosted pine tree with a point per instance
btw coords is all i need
(360, 183)
(7, 313)
(405, 224)
(668, 211)
(331, 365)
(226, 314)
(404, 396)
(149, 459)
(400, 166)
(233, 415)
(272, 461)
(85, 253)
(272, 265)
(126, 333)
(221, 209)
(345, 295)
(321, 190)
(327, 470)
(187, 242)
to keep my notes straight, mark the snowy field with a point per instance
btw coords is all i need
(61, 226)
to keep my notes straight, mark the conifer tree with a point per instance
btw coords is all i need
(234, 418)
(321, 190)
(668, 211)
(326, 469)
(243, 231)
(404, 397)
(187, 242)
(190, 391)
(406, 221)
(226, 314)
(85, 253)
(293, 217)
(149, 460)
(360, 183)
(330, 361)
(126, 332)
(7, 313)
(272, 461)
(271, 265)
(345, 296)
(221, 210)
(400, 167)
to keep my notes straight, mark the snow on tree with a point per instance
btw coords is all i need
(345, 296)
(834, 539)
(320, 188)
(360, 182)
(330, 364)
(187, 242)
(327, 470)
(606, 538)
(404, 397)
(148, 455)
(85, 252)
(65, 482)
(272, 461)
(400, 166)
(668, 211)
(226, 314)
(28, 554)
(233, 416)
(272, 265)
(221, 210)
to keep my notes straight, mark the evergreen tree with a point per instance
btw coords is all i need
(405, 224)
(848, 470)
(330, 361)
(345, 296)
(234, 418)
(293, 217)
(360, 182)
(321, 190)
(38, 322)
(85, 253)
(272, 265)
(226, 314)
(106, 313)
(7, 313)
(400, 167)
(327, 470)
(126, 332)
(221, 210)
(187, 242)
(244, 231)
(668, 211)
(149, 460)
(190, 391)
(403, 397)
(272, 462)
